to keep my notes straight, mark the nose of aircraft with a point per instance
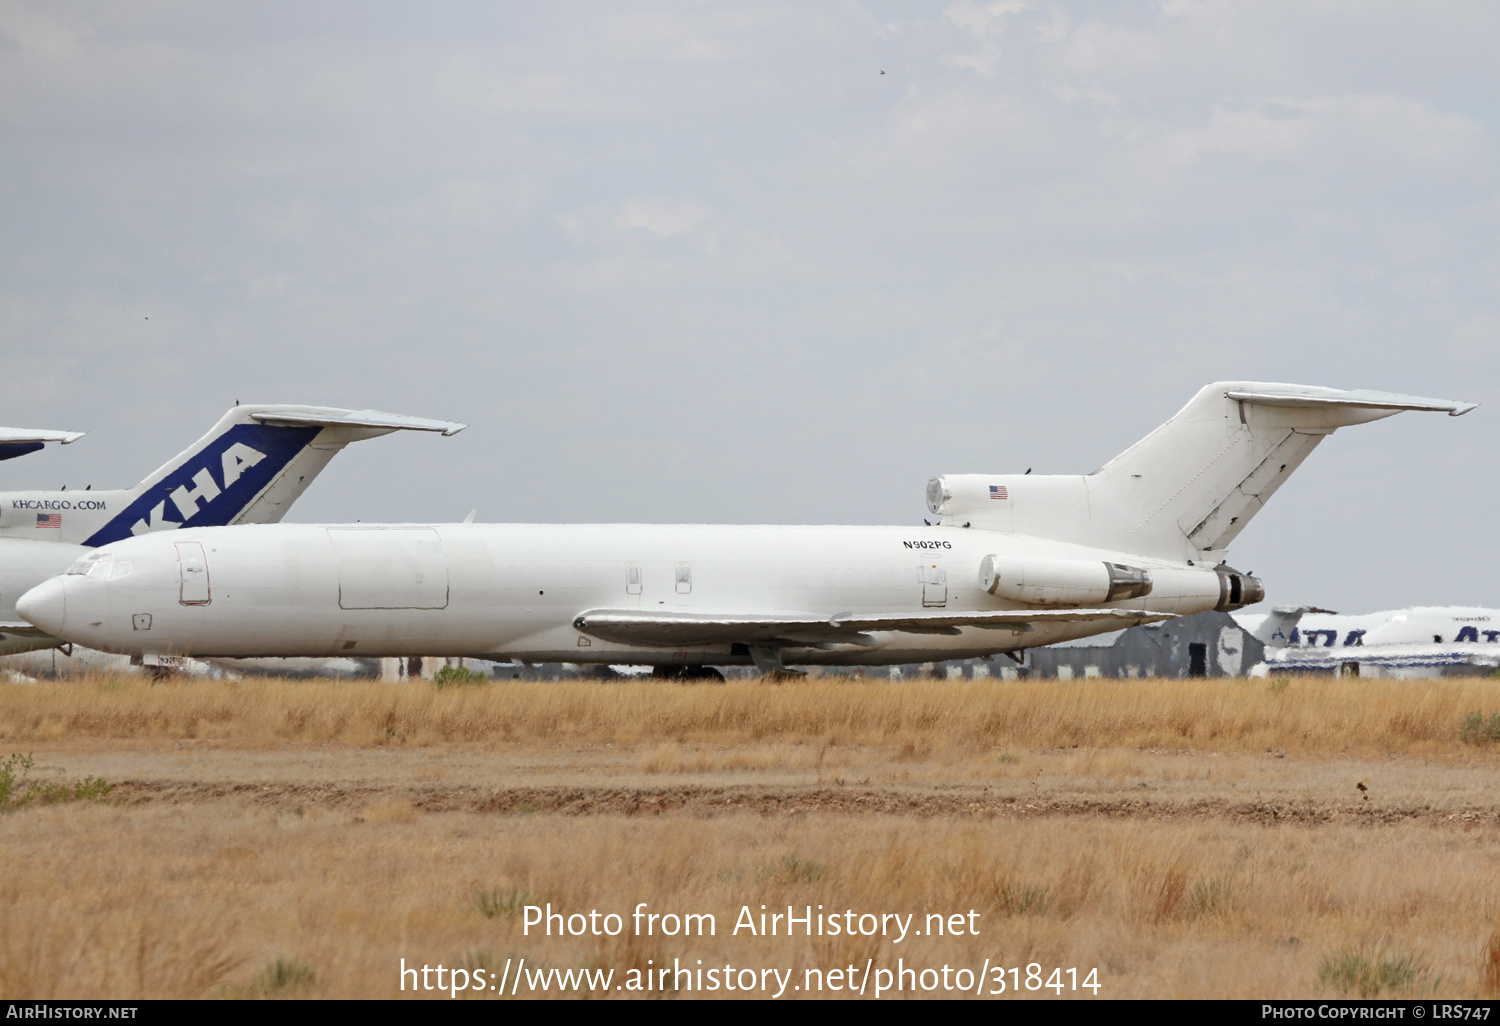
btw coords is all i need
(45, 605)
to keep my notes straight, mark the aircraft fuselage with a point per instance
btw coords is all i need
(515, 591)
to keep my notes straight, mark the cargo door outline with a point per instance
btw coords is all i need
(390, 567)
(934, 586)
(192, 568)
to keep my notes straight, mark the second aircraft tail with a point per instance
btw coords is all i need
(249, 467)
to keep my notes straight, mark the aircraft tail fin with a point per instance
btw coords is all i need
(1275, 631)
(250, 467)
(1187, 489)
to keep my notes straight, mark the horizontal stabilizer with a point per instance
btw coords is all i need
(630, 627)
(1313, 397)
(315, 416)
(33, 435)
(20, 441)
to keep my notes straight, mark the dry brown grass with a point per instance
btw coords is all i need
(192, 901)
(280, 846)
(1309, 717)
(1489, 967)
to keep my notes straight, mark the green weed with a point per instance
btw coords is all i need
(1372, 973)
(458, 677)
(792, 870)
(504, 903)
(1477, 730)
(1209, 897)
(18, 790)
(283, 978)
(1025, 900)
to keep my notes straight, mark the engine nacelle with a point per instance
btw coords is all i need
(951, 494)
(1237, 589)
(1062, 582)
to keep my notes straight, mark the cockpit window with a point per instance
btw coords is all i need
(85, 563)
(101, 566)
(109, 569)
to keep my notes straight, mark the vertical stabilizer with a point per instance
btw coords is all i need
(1188, 489)
(1276, 630)
(248, 469)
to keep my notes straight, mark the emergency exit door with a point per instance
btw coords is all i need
(934, 586)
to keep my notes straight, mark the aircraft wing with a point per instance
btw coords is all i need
(328, 417)
(632, 627)
(21, 629)
(17, 637)
(19, 441)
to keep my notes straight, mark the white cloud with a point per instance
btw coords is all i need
(1364, 137)
(530, 217)
(986, 23)
(662, 219)
(1476, 337)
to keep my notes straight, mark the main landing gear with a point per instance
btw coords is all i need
(686, 673)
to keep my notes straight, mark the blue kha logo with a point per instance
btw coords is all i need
(214, 485)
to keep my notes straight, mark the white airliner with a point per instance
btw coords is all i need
(248, 469)
(1415, 641)
(1014, 561)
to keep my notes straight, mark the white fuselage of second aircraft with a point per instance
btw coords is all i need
(1418, 625)
(518, 590)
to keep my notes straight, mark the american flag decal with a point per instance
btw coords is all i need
(999, 492)
(49, 520)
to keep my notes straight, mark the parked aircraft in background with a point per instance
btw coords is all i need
(1014, 561)
(73, 660)
(1416, 641)
(248, 469)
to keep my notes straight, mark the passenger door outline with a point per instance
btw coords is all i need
(192, 568)
(934, 586)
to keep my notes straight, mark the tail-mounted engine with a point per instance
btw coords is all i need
(1127, 582)
(1062, 582)
(1237, 589)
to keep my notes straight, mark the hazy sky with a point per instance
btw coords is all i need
(704, 262)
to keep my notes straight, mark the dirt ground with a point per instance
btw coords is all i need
(1269, 788)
